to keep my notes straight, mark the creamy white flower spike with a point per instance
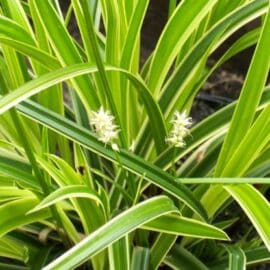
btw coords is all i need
(103, 124)
(132, 146)
(180, 128)
(115, 147)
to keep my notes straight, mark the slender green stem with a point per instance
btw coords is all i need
(174, 161)
(119, 181)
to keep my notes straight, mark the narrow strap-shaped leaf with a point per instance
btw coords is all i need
(133, 33)
(41, 258)
(15, 10)
(180, 258)
(253, 256)
(225, 180)
(247, 40)
(119, 254)
(140, 258)
(129, 61)
(115, 26)
(53, 97)
(202, 161)
(10, 266)
(173, 224)
(256, 207)
(19, 171)
(13, 249)
(66, 51)
(250, 147)
(113, 230)
(66, 193)
(237, 258)
(65, 176)
(249, 99)
(11, 219)
(13, 30)
(182, 23)
(44, 58)
(160, 249)
(257, 255)
(13, 193)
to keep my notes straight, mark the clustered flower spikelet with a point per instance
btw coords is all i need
(180, 128)
(103, 124)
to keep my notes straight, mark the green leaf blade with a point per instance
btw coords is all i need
(112, 231)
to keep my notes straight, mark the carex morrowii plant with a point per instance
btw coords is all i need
(101, 166)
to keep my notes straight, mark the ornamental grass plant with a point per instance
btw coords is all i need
(101, 165)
